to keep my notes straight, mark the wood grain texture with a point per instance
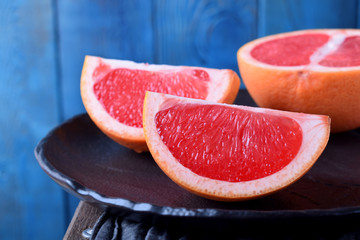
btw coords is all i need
(202, 33)
(29, 202)
(277, 16)
(84, 218)
(110, 29)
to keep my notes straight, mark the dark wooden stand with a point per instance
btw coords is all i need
(84, 219)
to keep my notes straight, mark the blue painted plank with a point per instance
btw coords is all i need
(202, 33)
(31, 205)
(358, 14)
(110, 29)
(277, 16)
(206, 33)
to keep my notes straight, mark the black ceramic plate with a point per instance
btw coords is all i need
(91, 166)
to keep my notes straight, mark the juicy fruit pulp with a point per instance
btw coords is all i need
(121, 91)
(113, 92)
(309, 71)
(231, 152)
(347, 55)
(303, 49)
(245, 145)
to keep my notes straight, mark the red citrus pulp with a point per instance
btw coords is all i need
(113, 92)
(311, 71)
(230, 152)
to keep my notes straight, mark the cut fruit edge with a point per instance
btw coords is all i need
(133, 137)
(314, 89)
(336, 38)
(316, 132)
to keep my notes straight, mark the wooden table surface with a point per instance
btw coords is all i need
(84, 219)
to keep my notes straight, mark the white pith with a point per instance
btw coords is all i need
(218, 86)
(332, 45)
(315, 133)
(336, 39)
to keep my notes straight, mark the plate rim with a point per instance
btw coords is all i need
(116, 203)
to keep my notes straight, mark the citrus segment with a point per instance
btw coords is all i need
(298, 49)
(113, 92)
(119, 85)
(230, 152)
(347, 54)
(311, 71)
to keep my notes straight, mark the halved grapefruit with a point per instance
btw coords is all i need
(311, 71)
(231, 152)
(113, 92)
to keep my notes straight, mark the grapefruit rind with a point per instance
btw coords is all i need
(313, 88)
(223, 87)
(130, 137)
(316, 130)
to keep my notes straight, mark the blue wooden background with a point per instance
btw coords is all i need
(42, 47)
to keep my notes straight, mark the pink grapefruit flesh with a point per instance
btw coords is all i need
(311, 71)
(289, 51)
(122, 91)
(113, 92)
(231, 152)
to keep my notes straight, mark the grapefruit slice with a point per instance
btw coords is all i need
(231, 152)
(113, 92)
(311, 71)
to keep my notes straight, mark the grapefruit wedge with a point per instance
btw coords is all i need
(231, 152)
(113, 92)
(311, 71)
